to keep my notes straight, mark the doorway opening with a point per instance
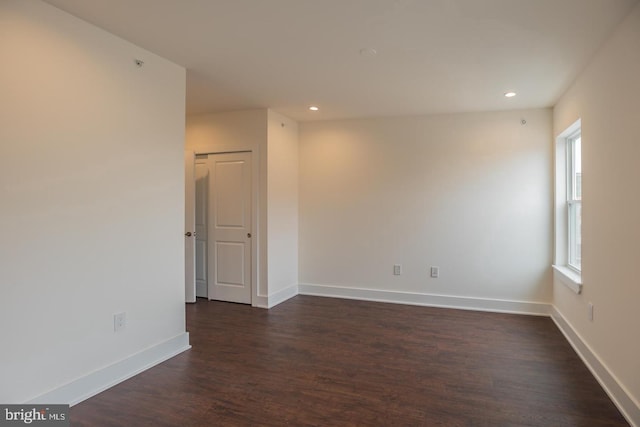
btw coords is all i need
(223, 217)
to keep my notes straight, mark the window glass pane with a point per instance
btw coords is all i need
(575, 235)
(574, 200)
(578, 237)
(577, 168)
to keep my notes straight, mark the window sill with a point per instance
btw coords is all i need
(568, 277)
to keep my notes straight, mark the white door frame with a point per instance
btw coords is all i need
(190, 227)
(256, 208)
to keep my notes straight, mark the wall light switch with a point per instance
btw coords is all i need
(435, 272)
(397, 270)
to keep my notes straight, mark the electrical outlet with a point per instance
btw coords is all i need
(397, 269)
(590, 311)
(119, 321)
(435, 272)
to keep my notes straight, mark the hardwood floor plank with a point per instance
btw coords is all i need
(315, 361)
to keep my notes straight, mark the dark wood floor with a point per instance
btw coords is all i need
(331, 362)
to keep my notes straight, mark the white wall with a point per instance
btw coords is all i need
(91, 199)
(277, 149)
(606, 97)
(470, 193)
(282, 173)
(239, 131)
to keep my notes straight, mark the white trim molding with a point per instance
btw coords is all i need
(98, 381)
(276, 298)
(430, 300)
(628, 406)
(260, 301)
(282, 295)
(568, 277)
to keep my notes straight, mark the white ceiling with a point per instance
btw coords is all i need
(434, 56)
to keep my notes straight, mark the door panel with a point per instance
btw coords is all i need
(230, 227)
(230, 264)
(202, 196)
(230, 208)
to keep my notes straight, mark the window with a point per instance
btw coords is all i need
(574, 200)
(568, 208)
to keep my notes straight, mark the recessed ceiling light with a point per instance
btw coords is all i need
(314, 108)
(368, 52)
(510, 94)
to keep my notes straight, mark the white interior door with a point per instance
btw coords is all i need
(189, 227)
(230, 227)
(202, 197)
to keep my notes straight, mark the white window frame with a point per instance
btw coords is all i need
(573, 202)
(564, 272)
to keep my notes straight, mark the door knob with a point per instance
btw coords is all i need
(188, 234)
(249, 235)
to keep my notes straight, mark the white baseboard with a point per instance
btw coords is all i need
(282, 296)
(102, 379)
(260, 301)
(445, 301)
(276, 298)
(629, 407)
